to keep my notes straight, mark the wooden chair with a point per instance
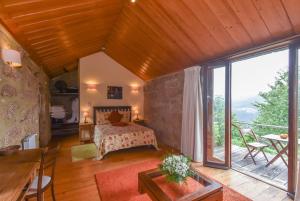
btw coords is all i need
(252, 146)
(42, 182)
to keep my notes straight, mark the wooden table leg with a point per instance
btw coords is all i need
(140, 186)
(279, 154)
(282, 147)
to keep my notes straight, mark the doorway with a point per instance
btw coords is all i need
(257, 93)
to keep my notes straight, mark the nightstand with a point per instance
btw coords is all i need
(141, 122)
(86, 132)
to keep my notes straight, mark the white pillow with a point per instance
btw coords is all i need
(102, 117)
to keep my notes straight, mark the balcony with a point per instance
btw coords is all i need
(275, 173)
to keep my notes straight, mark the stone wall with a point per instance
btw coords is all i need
(163, 107)
(24, 98)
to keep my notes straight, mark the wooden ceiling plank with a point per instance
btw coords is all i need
(163, 44)
(137, 64)
(143, 37)
(205, 32)
(183, 26)
(75, 48)
(141, 57)
(230, 22)
(92, 40)
(74, 36)
(270, 10)
(71, 27)
(293, 9)
(67, 16)
(11, 3)
(53, 6)
(146, 56)
(250, 18)
(56, 10)
(145, 76)
(59, 60)
(164, 23)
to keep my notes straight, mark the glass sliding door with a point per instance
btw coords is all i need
(216, 140)
(263, 88)
(260, 116)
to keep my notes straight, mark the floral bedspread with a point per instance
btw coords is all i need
(111, 138)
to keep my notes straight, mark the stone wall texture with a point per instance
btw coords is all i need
(24, 98)
(163, 107)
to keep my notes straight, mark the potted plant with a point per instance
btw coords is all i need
(177, 168)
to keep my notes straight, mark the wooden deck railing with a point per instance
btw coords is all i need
(263, 125)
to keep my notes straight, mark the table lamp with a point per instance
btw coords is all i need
(85, 115)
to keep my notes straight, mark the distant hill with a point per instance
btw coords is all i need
(244, 109)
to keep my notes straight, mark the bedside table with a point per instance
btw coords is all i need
(141, 122)
(86, 128)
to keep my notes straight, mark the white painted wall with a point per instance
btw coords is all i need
(103, 71)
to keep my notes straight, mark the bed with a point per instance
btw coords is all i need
(110, 138)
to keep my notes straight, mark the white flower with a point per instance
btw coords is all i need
(177, 165)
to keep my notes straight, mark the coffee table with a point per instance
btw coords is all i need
(207, 190)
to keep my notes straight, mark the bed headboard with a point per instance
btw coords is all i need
(110, 109)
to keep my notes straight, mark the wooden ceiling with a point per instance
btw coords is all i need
(149, 37)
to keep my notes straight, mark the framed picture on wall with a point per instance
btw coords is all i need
(114, 92)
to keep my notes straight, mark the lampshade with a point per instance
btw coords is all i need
(85, 114)
(11, 57)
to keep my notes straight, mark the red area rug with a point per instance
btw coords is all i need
(122, 184)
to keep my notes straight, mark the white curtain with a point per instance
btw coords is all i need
(297, 195)
(192, 115)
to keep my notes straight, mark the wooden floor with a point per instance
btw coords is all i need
(76, 182)
(276, 173)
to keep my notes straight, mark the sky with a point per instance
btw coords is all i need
(251, 76)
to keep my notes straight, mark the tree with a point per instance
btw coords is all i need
(219, 120)
(273, 110)
(219, 123)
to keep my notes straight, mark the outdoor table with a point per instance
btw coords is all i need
(280, 145)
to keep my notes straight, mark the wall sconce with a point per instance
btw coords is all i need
(11, 57)
(91, 87)
(135, 89)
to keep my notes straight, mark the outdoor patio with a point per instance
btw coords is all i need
(276, 173)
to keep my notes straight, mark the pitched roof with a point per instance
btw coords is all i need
(149, 37)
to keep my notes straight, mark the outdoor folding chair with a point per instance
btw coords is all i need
(252, 146)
